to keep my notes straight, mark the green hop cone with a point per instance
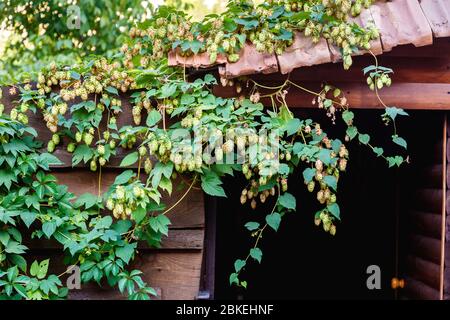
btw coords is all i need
(51, 146)
(71, 147)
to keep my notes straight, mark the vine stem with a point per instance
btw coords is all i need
(69, 269)
(139, 167)
(183, 196)
(261, 230)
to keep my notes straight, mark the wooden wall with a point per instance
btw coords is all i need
(422, 209)
(175, 269)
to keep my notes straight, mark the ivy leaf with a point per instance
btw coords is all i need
(400, 141)
(126, 252)
(288, 201)
(273, 220)
(334, 210)
(330, 181)
(364, 138)
(256, 254)
(308, 174)
(239, 264)
(252, 225)
(19, 261)
(153, 118)
(130, 159)
(49, 228)
(43, 269)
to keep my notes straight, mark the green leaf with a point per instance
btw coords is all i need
(256, 254)
(288, 201)
(153, 118)
(325, 156)
(19, 261)
(82, 152)
(15, 247)
(392, 112)
(330, 181)
(292, 126)
(126, 252)
(124, 177)
(49, 228)
(104, 222)
(139, 214)
(87, 199)
(160, 223)
(239, 264)
(130, 159)
(334, 210)
(211, 184)
(351, 132)
(308, 174)
(252, 225)
(400, 141)
(4, 237)
(348, 116)
(378, 151)
(187, 99)
(234, 278)
(364, 138)
(273, 220)
(112, 90)
(43, 268)
(34, 269)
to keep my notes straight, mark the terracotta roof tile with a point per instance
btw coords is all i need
(401, 22)
(302, 53)
(438, 14)
(250, 62)
(200, 60)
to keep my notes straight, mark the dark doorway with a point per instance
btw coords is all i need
(301, 261)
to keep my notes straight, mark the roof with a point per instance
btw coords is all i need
(400, 22)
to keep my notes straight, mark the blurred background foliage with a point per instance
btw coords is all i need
(34, 33)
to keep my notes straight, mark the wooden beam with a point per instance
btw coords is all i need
(425, 247)
(414, 96)
(427, 224)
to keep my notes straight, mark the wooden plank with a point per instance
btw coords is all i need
(418, 290)
(92, 291)
(425, 247)
(414, 96)
(178, 274)
(443, 210)
(427, 224)
(438, 49)
(189, 213)
(406, 69)
(424, 271)
(178, 239)
(430, 176)
(428, 200)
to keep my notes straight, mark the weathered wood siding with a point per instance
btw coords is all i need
(173, 270)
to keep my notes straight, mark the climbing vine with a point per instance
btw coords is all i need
(181, 130)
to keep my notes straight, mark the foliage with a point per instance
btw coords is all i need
(182, 129)
(43, 32)
(31, 199)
